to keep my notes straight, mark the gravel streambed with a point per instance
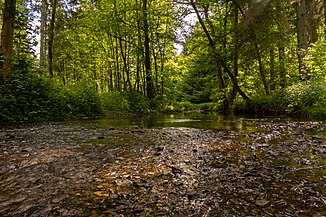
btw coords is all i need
(86, 170)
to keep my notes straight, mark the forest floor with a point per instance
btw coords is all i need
(73, 170)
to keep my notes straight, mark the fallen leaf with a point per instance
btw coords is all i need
(262, 202)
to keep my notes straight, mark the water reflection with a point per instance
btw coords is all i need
(209, 121)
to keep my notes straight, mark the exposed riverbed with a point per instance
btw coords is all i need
(182, 165)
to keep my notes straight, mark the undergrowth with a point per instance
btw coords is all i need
(29, 97)
(300, 101)
(188, 106)
(126, 101)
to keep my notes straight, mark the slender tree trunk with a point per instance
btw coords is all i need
(44, 16)
(302, 38)
(139, 60)
(137, 85)
(111, 51)
(51, 35)
(281, 60)
(127, 51)
(7, 39)
(117, 66)
(109, 66)
(281, 47)
(1, 16)
(125, 67)
(272, 68)
(162, 60)
(143, 77)
(156, 69)
(313, 23)
(226, 98)
(111, 77)
(261, 68)
(226, 104)
(149, 82)
(324, 4)
(219, 59)
(235, 51)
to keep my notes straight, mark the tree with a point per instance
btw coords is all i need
(44, 16)
(149, 82)
(51, 35)
(302, 37)
(218, 57)
(7, 37)
(324, 7)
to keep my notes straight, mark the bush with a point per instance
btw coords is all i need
(188, 106)
(84, 99)
(28, 97)
(128, 102)
(300, 100)
(268, 104)
(307, 100)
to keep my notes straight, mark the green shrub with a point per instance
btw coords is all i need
(137, 102)
(128, 102)
(188, 106)
(307, 100)
(114, 102)
(317, 111)
(84, 99)
(267, 104)
(300, 100)
(28, 97)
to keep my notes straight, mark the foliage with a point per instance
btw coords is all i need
(299, 100)
(188, 106)
(104, 42)
(99, 53)
(128, 102)
(199, 82)
(307, 100)
(28, 97)
(316, 59)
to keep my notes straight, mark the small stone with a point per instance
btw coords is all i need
(262, 203)
(192, 196)
(176, 170)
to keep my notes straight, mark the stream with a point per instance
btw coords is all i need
(194, 164)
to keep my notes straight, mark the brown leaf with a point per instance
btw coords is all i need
(262, 202)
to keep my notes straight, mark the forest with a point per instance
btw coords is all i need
(163, 108)
(77, 58)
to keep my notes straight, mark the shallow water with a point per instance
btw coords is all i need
(179, 164)
(207, 121)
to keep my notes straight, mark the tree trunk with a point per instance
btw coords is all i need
(272, 69)
(51, 35)
(324, 4)
(44, 16)
(281, 60)
(127, 51)
(7, 39)
(261, 68)
(149, 82)
(302, 38)
(236, 51)
(281, 47)
(156, 70)
(139, 61)
(219, 59)
(125, 65)
(117, 68)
